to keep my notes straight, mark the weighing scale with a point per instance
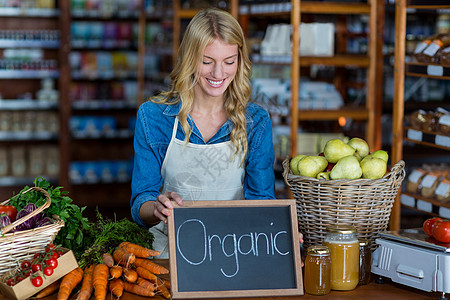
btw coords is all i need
(412, 258)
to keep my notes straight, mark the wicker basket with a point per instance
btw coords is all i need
(20, 245)
(363, 203)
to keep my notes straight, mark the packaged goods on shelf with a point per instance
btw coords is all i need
(105, 9)
(92, 172)
(277, 40)
(319, 39)
(437, 120)
(430, 49)
(430, 181)
(319, 95)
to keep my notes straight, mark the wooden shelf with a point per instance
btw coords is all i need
(427, 70)
(330, 115)
(371, 113)
(334, 8)
(401, 70)
(427, 138)
(340, 60)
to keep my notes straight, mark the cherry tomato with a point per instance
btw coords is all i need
(441, 231)
(54, 255)
(52, 262)
(428, 225)
(37, 281)
(19, 278)
(36, 267)
(11, 282)
(48, 271)
(10, 210)
(27, 273)
(37, 255)
(49, 247)
(25, 264)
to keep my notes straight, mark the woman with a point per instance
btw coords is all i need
(202, 139)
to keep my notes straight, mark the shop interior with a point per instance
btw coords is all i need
(73, 73)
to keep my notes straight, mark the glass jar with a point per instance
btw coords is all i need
(344, 252)
(365, 261)
(317, 270)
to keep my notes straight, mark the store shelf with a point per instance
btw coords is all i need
(333, 115)
(428, 138)
(427, 70)
(7, 181)
(4, 43)
(28, 12)
(102, 105)
(25, 74)
(28, 136)
(14, 104)
(400, 133)
(428, 205)
(342, 60)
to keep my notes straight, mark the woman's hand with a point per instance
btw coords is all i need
(163, 205)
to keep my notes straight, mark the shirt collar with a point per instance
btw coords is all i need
(173, 110)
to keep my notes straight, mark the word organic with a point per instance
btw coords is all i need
(210, 246)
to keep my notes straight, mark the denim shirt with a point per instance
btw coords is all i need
(153, 132)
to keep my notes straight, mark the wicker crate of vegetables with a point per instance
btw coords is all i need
(27, 231)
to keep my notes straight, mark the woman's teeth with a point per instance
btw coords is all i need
(215, 82)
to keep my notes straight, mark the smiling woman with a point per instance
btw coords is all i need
(202, 139)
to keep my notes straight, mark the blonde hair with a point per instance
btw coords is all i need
(206, 26)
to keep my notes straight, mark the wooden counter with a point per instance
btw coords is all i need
(373, 290)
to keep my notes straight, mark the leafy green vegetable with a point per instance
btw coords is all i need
(88, 240)
(72, 234)
(109, 234)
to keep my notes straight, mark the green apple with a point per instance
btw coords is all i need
(373, 167)
(335, 149)
(381, 154)
(323, 175)
(293, 164)
(346, 168)
(361, 147)
(312, 165)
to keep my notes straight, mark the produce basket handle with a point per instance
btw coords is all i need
(30, 215)
(286, 170)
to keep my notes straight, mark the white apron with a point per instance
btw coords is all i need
(198, 172)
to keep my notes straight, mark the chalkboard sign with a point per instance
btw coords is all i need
(234, 249)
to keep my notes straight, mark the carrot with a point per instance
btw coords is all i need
(161, 289)
(150, 265)
(48, 290)
(115, 271)
(86, 285)
(108, 259)
(116, 287)
(138, 250)
(100, 281)
(165, 282)
(123, 257)
(130, 275)
(145, 283)
(146, 274)
(69, 282)
(137, 290)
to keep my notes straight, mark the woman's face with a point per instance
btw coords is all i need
(218, 68)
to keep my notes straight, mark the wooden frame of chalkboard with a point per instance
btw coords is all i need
(238, 248)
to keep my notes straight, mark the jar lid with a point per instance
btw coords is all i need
(363, 242)
(342, 229)
(318, 250)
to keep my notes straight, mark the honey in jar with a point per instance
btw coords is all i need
(344, 252)
(317, 270)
